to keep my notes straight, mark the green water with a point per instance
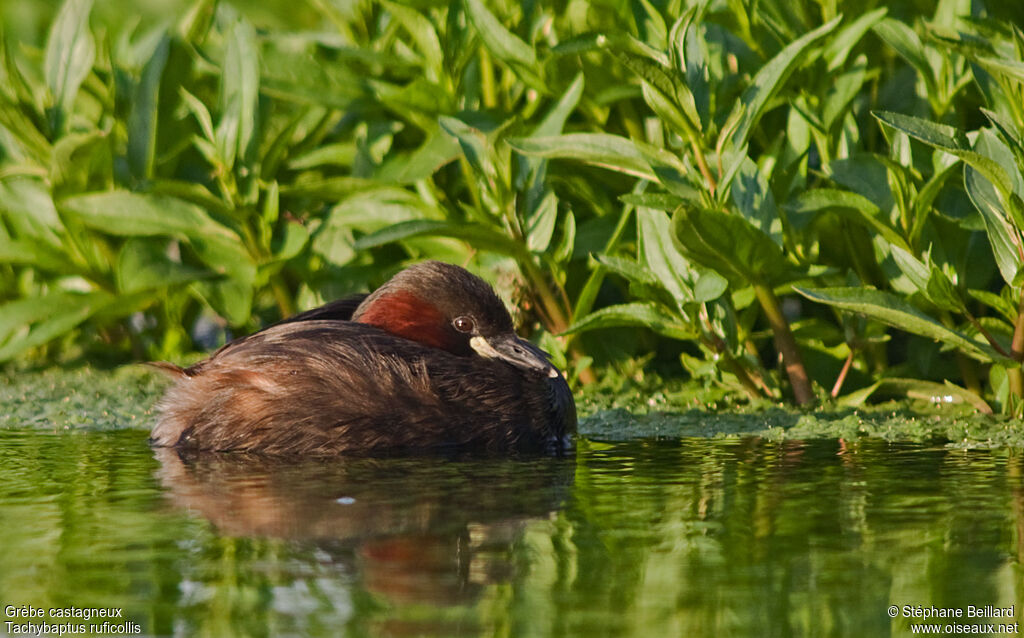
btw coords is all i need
(690, 537)
(641, 534)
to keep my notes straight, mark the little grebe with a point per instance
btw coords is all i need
(427, 361)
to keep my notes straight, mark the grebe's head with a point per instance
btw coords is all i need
(447, 307)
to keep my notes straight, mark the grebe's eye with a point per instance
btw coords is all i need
(464, 324)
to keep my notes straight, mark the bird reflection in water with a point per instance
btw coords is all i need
(415, 531)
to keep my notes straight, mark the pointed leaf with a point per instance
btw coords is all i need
(477, 235)
(906, 42)
(851, 205)
(129, 214)
(770, 78)
(46, 317)
(600, 149)
(729, 245)
(504, 44)
(646, 315)
(541, 225)
(70, 52)
(142, 121)
(948, 139)
(1004, 237)
(239, 94)
(660, 255)
(143, 264)
(894, 311)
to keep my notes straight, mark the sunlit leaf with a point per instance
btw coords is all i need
(770, 79)
(600, 149)
(143, 264)
(660, 255)
(70, 52)
(729, 245)
(504, 44)
(236, 133)
(142, 121)
(477, 235)
(898, 313)
(45, 318)
(641, 314)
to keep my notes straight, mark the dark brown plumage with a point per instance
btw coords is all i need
(428, 361)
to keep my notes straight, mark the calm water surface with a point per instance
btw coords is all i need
(693, 537)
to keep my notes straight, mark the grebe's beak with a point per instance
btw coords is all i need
(515, 351)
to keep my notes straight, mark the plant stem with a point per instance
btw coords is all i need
(487, 92)
(785, 344)
(702, 165)
(554, 314)
(1014, 374)
(838, 387)
(742, 375)
(281, 296)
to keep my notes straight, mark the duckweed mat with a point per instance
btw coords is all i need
(93, 399)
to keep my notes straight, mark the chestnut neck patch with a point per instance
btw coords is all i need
(406, 315)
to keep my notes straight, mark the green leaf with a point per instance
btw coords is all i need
(1012, 137)
(72, 160)
(661, 201)
(423, 34)
(290, 242)
(143, 264)
(851, 205)
(770, 78)
(46, 318)
(439, 149)
(640, 314)
(912, 267)
(666, 94)
(908, 45)
(939, 393)
(35, 253)
(228, 298)
(554, 121)
(541, 225)
(236, 134)
(225, 255)
(729, 245)
(894, 311)
(753, 199)
(929, 280)
(997, 302)
(660, 256)
(129, 214)
(710, 286)
(566, 246)
(630, 270)
(474, 143)
(142, 120)
(334, 243)
(926, 197)
(28, 207)
(1004, 237)
(504, 44)
(839, 47)
(70, 53)
(948, 139)
(599, 149)
(476, 235)
(328, 188)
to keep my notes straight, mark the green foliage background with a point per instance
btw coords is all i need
(779, 199)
